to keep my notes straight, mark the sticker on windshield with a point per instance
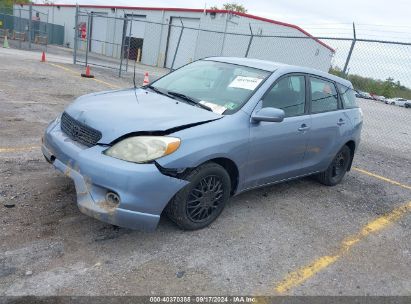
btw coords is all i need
(214, 107)
(247, 83)
(230, 105)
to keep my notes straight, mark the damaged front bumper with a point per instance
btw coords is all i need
(142, 189)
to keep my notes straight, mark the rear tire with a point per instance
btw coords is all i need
(337, 169)
(199, 203)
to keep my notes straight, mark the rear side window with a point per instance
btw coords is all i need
(347, 96)
(323, 96)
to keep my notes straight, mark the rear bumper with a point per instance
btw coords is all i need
(143, 190)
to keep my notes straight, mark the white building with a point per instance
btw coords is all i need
(206, 33)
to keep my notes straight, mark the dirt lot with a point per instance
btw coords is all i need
(262, 244)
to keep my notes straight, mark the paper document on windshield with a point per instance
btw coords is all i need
(247, 83)
(214, 107)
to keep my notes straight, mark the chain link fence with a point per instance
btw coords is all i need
(380, 68)
(377, 67)
(90, 47)
(118, 42)
(28, 29)
(113, 42)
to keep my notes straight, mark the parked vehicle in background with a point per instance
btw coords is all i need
(374, 96)
(400, 102)
(379, 98)
(382, 98)
(397, 101)
(390, 101)
(364, 95)
(367, 95)
(407, 104)
(192, 139)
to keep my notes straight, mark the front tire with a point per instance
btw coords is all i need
(337, 169)
(199, 203)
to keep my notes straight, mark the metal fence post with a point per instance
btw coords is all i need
(249, 42)
(88, 36)
(159, 57)
(351, 49)
(224, 35)
(20, 27)
(129, 44)
(123, 41)
(50, 27)
(47, 31)
(75, 35)
(29, 23)
(178, 45)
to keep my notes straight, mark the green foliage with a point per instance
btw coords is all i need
(336, 71)
(6, 6)
(235, 7)
(388, 88)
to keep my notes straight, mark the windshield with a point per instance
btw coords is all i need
(223, 87)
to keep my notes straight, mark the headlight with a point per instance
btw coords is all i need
(141, 149)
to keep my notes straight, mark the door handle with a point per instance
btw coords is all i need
(303, 127)
(341, 122)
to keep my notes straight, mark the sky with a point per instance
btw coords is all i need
(374, 19)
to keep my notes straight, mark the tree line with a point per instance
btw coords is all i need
(388, 88)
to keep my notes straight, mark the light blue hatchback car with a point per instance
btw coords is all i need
(210, 130)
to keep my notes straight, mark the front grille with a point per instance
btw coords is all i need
(78, 131)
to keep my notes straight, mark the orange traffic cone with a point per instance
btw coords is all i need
(146, 81)
(87, 74)
(43, 57)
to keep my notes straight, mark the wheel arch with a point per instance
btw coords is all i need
(351, 144)
(228, 164)
(231, 167)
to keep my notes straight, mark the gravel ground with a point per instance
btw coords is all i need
(49, 248)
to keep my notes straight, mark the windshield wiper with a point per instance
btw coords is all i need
(172, 95)
(191, 100)
(158, 91)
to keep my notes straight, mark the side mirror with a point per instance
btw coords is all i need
(268, 114)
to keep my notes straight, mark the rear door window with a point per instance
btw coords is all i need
(323, 96)
(347, 96)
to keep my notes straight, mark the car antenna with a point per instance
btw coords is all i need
(134, 80)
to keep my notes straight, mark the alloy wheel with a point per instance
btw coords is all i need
(205, 198)
(338, 168)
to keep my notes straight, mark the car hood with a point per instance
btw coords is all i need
(117, 113)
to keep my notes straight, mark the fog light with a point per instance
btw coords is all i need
(113, 198)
